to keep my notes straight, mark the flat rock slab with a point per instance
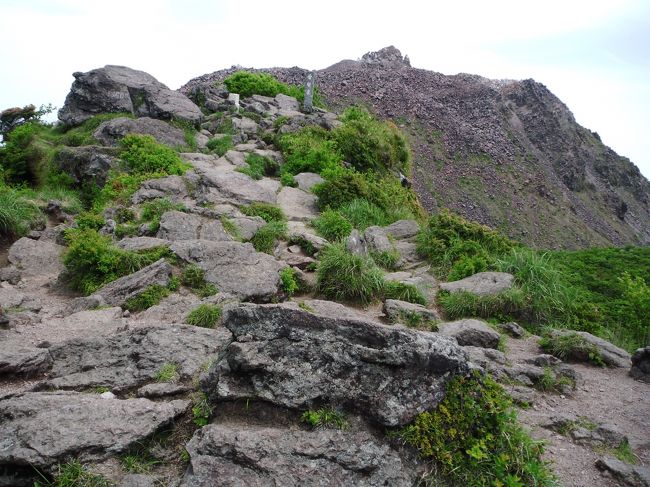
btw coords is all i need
(42, 429)
(141, 243)
(170, 187)
(133, 358)
(259, 457)
(293, 358)
(629, 475)
(475, 333)
(35, 257)
(234, 267)
(233, 187)
(403, 229)
(481, 284)
(328, 309)
(176, 225)
(297, 204)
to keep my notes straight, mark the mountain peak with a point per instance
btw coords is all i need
(388, 57)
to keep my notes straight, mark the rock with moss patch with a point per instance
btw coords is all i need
(111, 131)
(403, 229)
(307, 180)
(596, 349)
(257, 456)
(170, 187)
(471, 332)
(403, 311)
(296, 359)
(481, 284)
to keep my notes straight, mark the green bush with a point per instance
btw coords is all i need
(144, 155)
(204, 316)
(220, 145)
(91, 260)
(372, 145)
(259, 166)
(473, 438)
(193, 277)
(287, 179)
(332, 225)
(18, 215)
(344, 276)
(403, 292)
(266, 238)
(311, 149)
(247, 84)
(289, 281)
(363, 214)
(507, 306)
(90, 221)
(20, 157)
(151, 296)
(345, 187)
(268, 212)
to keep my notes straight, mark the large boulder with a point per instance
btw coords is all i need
(132, 358)
(293, 358)
(36, 257)
(475, 333)
(20, 361)
(234, 267)
(307, 180)
(111, 131)
(176, 225)
(255, 456)
(87, 164)
(43, 429)
(174, 188)
(297, 204)
(628, 475)
(481, 284)
(641, 364)
(122, 89)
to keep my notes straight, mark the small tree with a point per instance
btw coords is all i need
(13, 117)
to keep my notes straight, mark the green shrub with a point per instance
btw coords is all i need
(268, 212)
(147, 298)
(83, 134)
(90, 221)
(91, 260)
(119, 188)
(289, 281)
(154, 209)
(345, 276)
(259, 166)
(403, 292)
(311, 149)
(344, 187)
(372, 145)
(324, 418)
(18, 215)
(266, 238)
(363, 214)
(332, 225)
(506, 306)
(248, 84)
(193, 277)
(144, 155)
(287, 179)
(220, 145)
(473, 438)
(73, 474)
(204, 316)
(20, 157)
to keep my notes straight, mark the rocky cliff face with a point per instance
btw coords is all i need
(506, 153)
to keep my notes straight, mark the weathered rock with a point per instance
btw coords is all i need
(299, 232)
(141, 243)
(42, 429)
(377, 241)
(328, 309)
(84, 303)
(176, 307)
(355, 243)
(234, 267)
(132, 358)
(245, 125)
(162, 389)
(176, 225)
(640, 369)
(248, 226)
(543, 360)
(585, 432)
(296, 359)
(610, 354)
(236, 158)
(121, 89)
(116, 293)
(10, 297)
(475, 333)
(512, 329)
(481, 284)
(111, 131)
(87, 164)
(630, 475)
(402, 229)
(10, 274)
(35, 257)
(297, 204)
(488, 359)
(19, 361)
(138, 480)
(234, 188)
(285, 102)
(170, 187)
(257, 456)
(307, 180)
(272, 185)
(401, 311)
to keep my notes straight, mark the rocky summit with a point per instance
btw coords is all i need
(231, 287)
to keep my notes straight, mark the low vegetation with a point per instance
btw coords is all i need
(268, 212)
(73, 474)
(18, 215)
(570, 346)
(167, 373)
(259, 166)
(220, 145)
(324, 418)
(151, 296)
(289, 280)
(204, 316)
(247, 84)
(267, 237)
(193, 277)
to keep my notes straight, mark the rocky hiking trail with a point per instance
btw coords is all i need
(81, 378)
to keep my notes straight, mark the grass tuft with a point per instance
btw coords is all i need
(204, 316)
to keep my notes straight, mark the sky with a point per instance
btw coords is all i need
(594, 54)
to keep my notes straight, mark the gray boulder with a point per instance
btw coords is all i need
(43, 429)
(171, 187)
(36, 257)
(582, 431)
(234, 267)
(116, 293)
(481, 284)
(609, 353)
(307, 180)
(475, 333)
(293, 358)
(328, 309)
(245, 125)
(87, 164)
(299, 232)
(141, 243)
(176, 225)
(629, 475)
(640, 369)
(406, 313)
(297, 204)
(377, 240)
(512, 329)
(402, 229)
(121, 89)
(248, 226)
(20, 361)
(111, 131)
(233, 187)
(255, 456)
(133, 358)
(285, 102)
(138, 480)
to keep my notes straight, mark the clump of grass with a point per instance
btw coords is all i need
(324, 418)
(220, 145)
(268, 212)
(73, 474)
(167, 373)
(201, 409)
(403, 292)
(348, 277)
(387, 259)
(473, 438)
(247, 84)
(266, 238)
(153, 210)
(147, 298)
(139, 463)
(231, 228)
(503, 306)
(193, 277)
(570, 346)
(143, 155)
(332, 225)
(204, 316)
(259, 166)
(305, 306)
(18, 215)
(624, 453)
(289, 281)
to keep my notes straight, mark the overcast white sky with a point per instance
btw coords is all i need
(593, 54)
